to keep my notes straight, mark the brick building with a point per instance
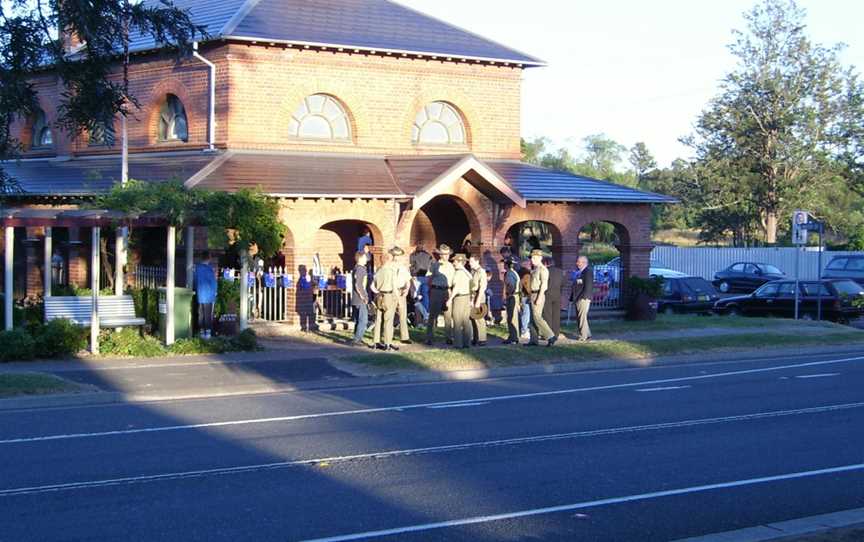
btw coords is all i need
(355, 114)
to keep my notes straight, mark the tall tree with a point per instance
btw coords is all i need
(642, 161)
(776, 127)
(86, 44)
(603, 154)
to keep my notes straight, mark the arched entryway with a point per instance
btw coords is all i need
(446, 220)
(336, 243)
(524, 237)
(607, 247)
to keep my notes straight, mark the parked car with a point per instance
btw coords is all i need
(611, 272)
(687, 295)
(845, 267)
(842, 300)
(746, 277)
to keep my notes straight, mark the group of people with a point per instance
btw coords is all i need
(456, 289)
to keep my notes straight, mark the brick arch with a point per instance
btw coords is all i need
(157, 97)
(449, 95)
(344, 96)
(422, 225)
(621, 230)
(557, 236)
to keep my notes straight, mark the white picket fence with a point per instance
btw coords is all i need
(705, 262)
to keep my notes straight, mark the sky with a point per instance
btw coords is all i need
(636, 70)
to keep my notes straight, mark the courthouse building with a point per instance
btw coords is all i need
(355, 114)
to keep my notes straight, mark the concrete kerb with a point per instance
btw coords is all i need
(788, 531)
(408, 377)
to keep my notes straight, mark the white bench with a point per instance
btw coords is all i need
(114, 311)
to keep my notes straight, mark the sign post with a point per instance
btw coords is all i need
(799, 238)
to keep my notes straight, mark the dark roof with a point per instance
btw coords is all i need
(312, 174)
(301, 174)
(95, 175)
(370, 25)
(541, 184)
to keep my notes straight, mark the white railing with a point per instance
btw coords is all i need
(145, 276)
(705, 262)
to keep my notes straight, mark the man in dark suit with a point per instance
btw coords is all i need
(552, 309)
(583, 291)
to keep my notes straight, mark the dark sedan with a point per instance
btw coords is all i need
(842, 300)
(846, 267)
(687, 295)
(746, 277)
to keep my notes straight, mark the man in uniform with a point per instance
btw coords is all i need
(403, 284)
(440, 282)
(512, 299)
(539, 286)
(479, 284)
(552, 310)
(384, 287)
(460, 302)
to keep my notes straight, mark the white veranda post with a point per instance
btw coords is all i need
(169, 283)
(120, 236)
(7, 276)
(94, 285)
(46, 268)
(244, 287)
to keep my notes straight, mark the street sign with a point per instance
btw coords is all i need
(800, 229)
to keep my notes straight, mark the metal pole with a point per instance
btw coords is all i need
(819, 288)
(94, 287)
(46, 271)
(244, 290)
(797, 260)
(190, 255)
(169, 286)
(8, 291)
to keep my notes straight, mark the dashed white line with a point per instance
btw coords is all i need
(589, 504)
(386, 454)
(821, 375)
(666, 388)
(401, 408)
(459, 405)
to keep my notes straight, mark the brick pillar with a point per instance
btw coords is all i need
(78, 252)
(33, 262)
(636, 260)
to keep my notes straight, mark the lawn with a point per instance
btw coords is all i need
(646, 340)
(12, 384)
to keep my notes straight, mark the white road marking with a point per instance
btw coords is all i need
(667, 388)
(821, 375)
(590, 504)
(386, 454)
(400, 408)
(459, 405)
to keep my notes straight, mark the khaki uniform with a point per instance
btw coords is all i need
(512, 302)
(440, 282)
(462, 332)
(402, 284)
(478, 297)
(384, 285)
(539, 284)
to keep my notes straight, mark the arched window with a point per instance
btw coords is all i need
(173, 125)
(102, 134)
(42, 136)
(319, 117)
(438, 124)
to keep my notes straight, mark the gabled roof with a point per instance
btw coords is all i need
(368, 25)
(541, 184)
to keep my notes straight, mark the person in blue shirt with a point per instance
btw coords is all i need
(365, 239)
(205, 293)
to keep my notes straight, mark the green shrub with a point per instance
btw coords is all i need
(247, 340)
(59, 338)
(200, 346)
(147, 306)
(227, 298)
(17, 344)
(129, 342)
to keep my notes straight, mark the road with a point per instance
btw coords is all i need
(640, 454)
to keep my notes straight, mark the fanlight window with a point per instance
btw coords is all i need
(319, 117)
(438, 124)
(173, 125)
(42, 136)
(102, 134)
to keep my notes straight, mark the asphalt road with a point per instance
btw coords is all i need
(640, 454)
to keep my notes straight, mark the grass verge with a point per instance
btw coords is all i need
(636, 351)
(15, 384)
